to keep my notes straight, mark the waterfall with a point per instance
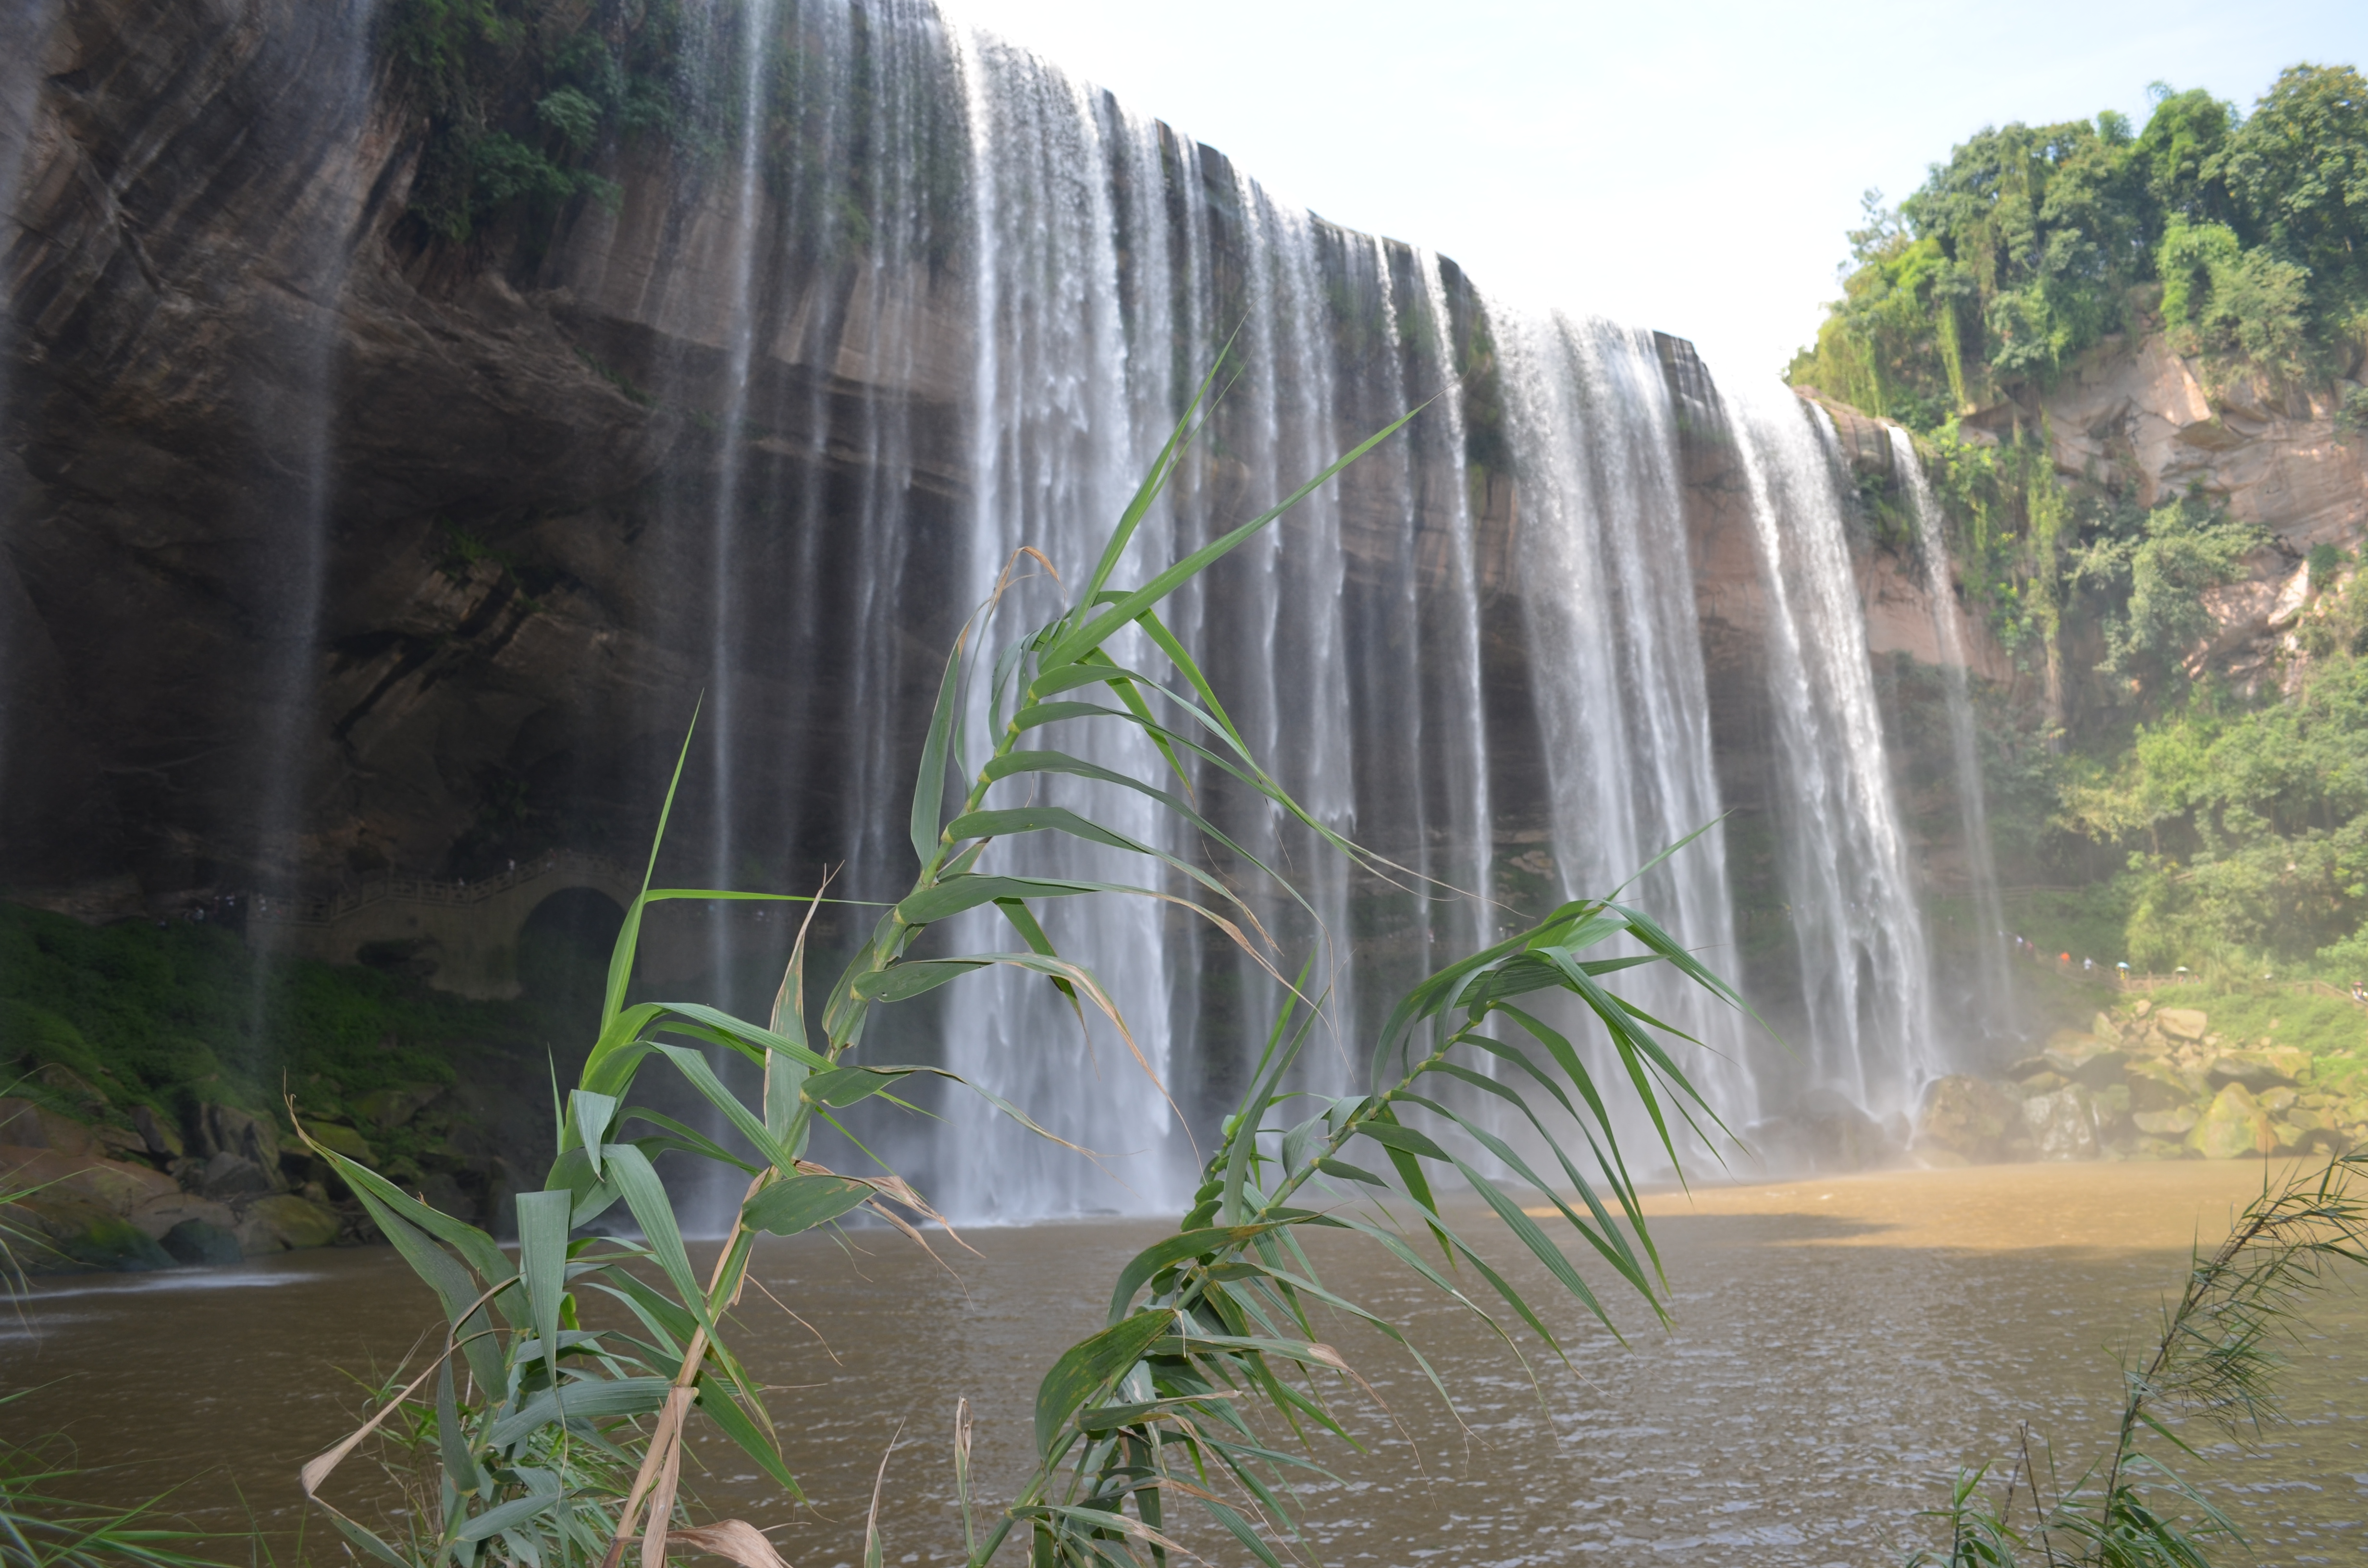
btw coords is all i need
(24, 41)
(1061, 438)
(1622, 709)
(1991, 1009)
(1459, 734)
(289, 533)
(906, 298)
(728, 596)
(1082, 277)
(1865, 975)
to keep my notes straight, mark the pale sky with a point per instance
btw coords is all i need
(1690, 167)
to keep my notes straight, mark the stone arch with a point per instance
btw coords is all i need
(566, 939)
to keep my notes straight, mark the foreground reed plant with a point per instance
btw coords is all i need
(557, 1444)
(2214, 1362)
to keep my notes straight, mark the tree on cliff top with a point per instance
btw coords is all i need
(2030, 243)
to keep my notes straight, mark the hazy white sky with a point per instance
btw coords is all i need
(1690, 167)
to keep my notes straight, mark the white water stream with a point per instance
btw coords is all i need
(1865, 967)
(1990, 1010)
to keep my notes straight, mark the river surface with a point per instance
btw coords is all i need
(1840, 1345)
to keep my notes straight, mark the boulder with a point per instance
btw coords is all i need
(163, 1138)
(2104, 1027)
(2176, 1123)
(1823, 1132)
(2083, 1059)
(2144, 1005)
(2255, 1070)
(112, 1185)
(25, 1125)
(284, 1223)
(2181, 1023)
(2156, 1086)
(2231, 1126)
(200, 1244)
(2062, 1125)
(2112, 1105)
(70, 1233)
(120, 1142)
(390, 1108)
(229, 1178)
(2278, 1101)
(226, 1130)
(2046, 1083)
(1966, 1119)
(159, 1217)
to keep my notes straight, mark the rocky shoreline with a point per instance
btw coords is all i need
(161, 1195)
(2148, 1083)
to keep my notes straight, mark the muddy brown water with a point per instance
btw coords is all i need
(1840, 1345)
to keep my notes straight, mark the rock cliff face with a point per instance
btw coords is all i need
(2138, 419)
(206, 315)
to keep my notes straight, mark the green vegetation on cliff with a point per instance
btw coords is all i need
(526, 107)
(2034, 243)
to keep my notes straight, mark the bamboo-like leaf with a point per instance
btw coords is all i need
(605, 1068)
(502, 1517)
(909, 980)
(620, 958)
(1174, 1249)
(796, 1203)
(843, 1087)
(590, 1400)
(1089, 1367)
(646, 1197)
(930, 789)
(1154, 482)
(543, 1219)
(786, 1071)
(746, 1123)
(451, 1442)
(680, 1135)
(589, 1116)
(476, 1248)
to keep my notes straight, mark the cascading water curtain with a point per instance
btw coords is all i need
(1865, 966)
(1989, 1008)
(1061, 438)
(1615, 651)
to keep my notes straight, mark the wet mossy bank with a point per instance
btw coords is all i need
(148, 1069)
